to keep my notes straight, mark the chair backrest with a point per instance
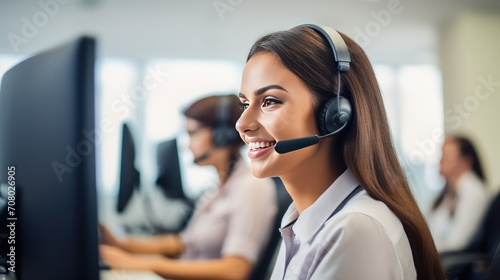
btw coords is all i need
(265, 261)
(460, 264)
(494, 271)
(487, 236)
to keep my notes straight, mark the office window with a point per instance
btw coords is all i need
(115, 78)
(413, 99)
(386, 77)
(422, 129)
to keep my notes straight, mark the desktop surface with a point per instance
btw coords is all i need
(121, 274)
(114, 274)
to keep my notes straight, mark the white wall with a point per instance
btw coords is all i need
(470, 60)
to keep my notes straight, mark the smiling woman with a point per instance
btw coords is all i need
(352, 202)
(280, 111)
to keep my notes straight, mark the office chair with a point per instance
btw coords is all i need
(494, 271)
(266, 260)
(461, 264)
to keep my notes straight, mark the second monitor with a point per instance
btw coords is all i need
(169, 172)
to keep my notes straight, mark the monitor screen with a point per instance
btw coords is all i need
(129, 175)
(47, 147)
(169, 172)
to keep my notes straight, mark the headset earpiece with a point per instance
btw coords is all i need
(224, 133)
(333, 116)
(336, 112)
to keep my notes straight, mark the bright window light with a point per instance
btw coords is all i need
(114, 80)
(413, 100)
(7, 61)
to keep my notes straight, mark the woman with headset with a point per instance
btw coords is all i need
(230, 225)
(353, 215)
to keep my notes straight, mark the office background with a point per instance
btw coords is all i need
(437, 62)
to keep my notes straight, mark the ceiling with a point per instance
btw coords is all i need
(391, 31)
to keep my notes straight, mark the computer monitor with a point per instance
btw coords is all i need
(47, 147)
(169, 172)
(129, 175)
(4, 230)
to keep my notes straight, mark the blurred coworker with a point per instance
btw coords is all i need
(458, 210)
(230, 225)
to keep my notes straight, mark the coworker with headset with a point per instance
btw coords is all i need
(310, 95)
(230, 225)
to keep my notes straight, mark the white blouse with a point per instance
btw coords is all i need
(455, 232)
(234, 220)
(364, 240)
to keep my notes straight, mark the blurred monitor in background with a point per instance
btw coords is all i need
(162, 208)
(169, 171)
(129, 175)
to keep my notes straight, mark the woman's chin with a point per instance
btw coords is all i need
(259, 170)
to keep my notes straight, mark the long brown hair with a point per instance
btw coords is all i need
(368, 150)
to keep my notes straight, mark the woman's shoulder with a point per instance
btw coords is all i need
(364, 211)
(472, 187)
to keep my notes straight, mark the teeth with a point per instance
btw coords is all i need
(259, 145)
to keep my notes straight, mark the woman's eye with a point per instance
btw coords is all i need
(270, 102)
(244, 105)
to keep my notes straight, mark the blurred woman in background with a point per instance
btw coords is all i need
(457, 211)
(230, 225)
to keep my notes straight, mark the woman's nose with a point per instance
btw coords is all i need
(247, 122)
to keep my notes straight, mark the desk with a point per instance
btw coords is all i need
(112, 274)
(119, 274)
(128, 274)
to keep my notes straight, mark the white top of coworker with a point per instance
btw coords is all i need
(454, 233)
(233, 220)
(364, 240)
(120, 274)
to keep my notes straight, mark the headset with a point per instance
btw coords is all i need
(334, 114)
(224, 133)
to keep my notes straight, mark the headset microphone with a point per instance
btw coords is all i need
(201, 158)
(286, 146)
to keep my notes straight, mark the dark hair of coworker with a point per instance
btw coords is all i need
(366, 143)
(466, 150)
(207, 112)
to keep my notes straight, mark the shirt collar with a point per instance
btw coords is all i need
(464, 176)
(314, 216)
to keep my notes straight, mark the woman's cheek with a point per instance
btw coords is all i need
(277, 124)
